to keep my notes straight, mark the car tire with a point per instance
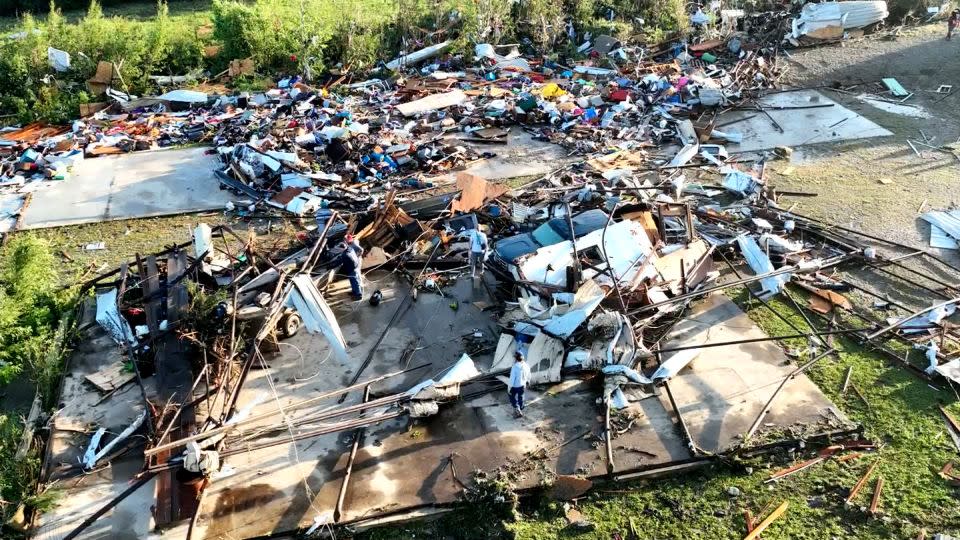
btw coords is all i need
(290, 324)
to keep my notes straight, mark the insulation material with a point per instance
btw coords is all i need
(760, 264)
(108, 316)
(316, 314)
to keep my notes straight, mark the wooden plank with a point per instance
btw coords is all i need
(875, 502)
(111, 377)
(755, 533)
(863, 480)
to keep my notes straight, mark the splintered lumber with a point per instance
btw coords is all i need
(755, 533)
(875, 502)
(795, 468)
(862, 482)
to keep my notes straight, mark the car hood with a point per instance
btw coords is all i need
(509, 249)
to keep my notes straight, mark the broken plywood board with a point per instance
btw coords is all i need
(474, 192)
(111, 377)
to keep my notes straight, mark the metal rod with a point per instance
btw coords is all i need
(608, 438)
(358, 435)
(180, 442)
(831, 350)
(769, 338)
(694, 449)
(147, 476)
(703, 292)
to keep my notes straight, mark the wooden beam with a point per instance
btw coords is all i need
(755, 533)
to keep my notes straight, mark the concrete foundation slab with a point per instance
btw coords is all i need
(800, 126)
(83, 409)
(407, 464)
(141, 184)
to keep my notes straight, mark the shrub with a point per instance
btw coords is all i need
(30, 308)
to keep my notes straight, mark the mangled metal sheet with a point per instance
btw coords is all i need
(627, 246)
(944, 229)
(814, 19)
(432, 103)
(950, 370)
(446, 386)
(545, 357)
(925, 321)
(108, 316)
(316, 314)
(588, 297)
(760, 264)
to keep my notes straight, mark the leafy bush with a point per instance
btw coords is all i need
(17, 476)
(31, 89)
(30, 309)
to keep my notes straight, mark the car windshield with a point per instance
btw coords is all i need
(545, 235)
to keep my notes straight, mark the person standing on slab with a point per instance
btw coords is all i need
(478, 251)
(519, 378)
(350, 265)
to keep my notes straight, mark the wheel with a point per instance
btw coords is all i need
(290, 324)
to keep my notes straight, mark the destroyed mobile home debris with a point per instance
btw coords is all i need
(261, 400)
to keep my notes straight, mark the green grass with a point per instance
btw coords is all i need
(902, 418)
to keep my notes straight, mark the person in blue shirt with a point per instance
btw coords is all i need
(350, 266)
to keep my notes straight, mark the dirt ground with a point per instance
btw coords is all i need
(879, 185)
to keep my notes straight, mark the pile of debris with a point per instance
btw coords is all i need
(588, 268)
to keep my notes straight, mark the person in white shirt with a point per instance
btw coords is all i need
(478, 251)
(519, 378)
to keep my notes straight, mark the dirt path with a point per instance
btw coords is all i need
(879, 185)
